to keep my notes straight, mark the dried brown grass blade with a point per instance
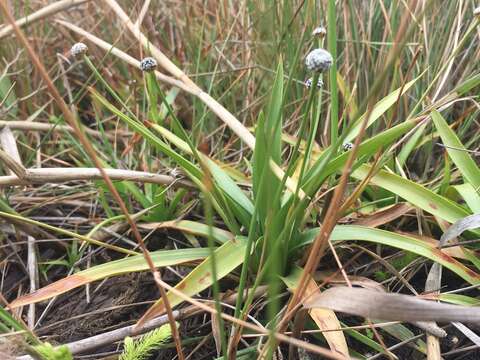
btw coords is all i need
(392, 307)
(385, 216)
(326, 320)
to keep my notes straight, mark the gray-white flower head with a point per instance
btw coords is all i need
(347, 146)
(309, 81)
(476, 12)
(318, 60)
(148, 64)
(78, 49)
(319, 31)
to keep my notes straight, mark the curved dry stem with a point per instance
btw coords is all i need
(41, 14)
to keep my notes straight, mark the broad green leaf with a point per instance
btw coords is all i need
(457, 299)
(273, 123)
(191, 227)
(379, 109)
(317, 174)
(113, 268)
(231, 189)
(402, 333)
(456, 151)
(227, 258)
(222, 179)
(403, 242)
(357, 335)
(411, 144)
(470, 195)
(466, 86)
(414, 193)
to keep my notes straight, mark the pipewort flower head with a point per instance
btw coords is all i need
(148, 64)
(319, 31)
(309, 81)
(318, 60)
(78, 49)
(347, 146)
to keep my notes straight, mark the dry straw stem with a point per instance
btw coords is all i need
(70, 118)
(9, 144)
(391, 307)
(43, 13)
(58, 175)
(13, 165)
(38, 126)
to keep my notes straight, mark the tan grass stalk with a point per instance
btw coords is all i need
(43, 13)
(38, 126)
(12, 164)
(9, 144)
(58, 175)
(89, 149)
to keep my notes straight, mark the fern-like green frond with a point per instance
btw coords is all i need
(141, 348)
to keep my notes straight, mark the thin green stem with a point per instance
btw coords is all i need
(332, 48)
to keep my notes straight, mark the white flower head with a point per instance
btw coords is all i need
(476, 12)
(347, 146)
(78, 49)
(309, 81)
(318, 60)
(319, 31)
(148, 64)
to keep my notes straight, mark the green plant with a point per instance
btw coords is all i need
(143, 347)
(257, 207)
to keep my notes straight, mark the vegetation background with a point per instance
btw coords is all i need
(249, 205)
